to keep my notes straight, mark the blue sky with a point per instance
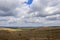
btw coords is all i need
(40, 13)
(29, 2)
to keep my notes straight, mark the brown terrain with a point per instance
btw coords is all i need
(40, 33)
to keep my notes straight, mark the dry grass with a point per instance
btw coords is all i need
(33, 34)
(9, 29)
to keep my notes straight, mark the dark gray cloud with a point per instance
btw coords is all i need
(7, 7)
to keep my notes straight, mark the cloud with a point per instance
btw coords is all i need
(46, 9)
(53, 17)
(7, 6)
(40, 13)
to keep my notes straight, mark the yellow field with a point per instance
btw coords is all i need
(9, 29)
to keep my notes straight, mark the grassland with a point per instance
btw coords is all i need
(40, 33)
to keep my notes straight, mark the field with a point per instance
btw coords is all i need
(40, 33)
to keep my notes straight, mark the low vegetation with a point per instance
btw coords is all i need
(41, 33)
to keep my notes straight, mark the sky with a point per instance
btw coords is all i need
(29, 2)
(16, 13)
